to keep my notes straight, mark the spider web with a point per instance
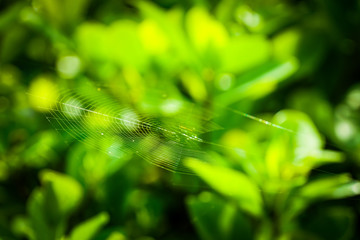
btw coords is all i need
(102, 122)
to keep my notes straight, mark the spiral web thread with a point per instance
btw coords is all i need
(101, 122)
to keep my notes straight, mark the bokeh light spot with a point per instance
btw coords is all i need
(68, 66)
(43, 93)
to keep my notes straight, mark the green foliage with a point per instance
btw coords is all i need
(88, 229)
(49, 207)
(214, 218)
(283, 183)
(230, 183)
(259, 100)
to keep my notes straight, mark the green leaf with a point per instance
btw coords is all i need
(334, 187)
(88, 229)
(259, 81)
(116, 236)
(62, 194)
(295, 152)
(214, 218)
(21, 226)
(89, 34)
(50, 206)
(118, 43)
(244, 52)
(124, 44)
(230, 183)
(62, 12)
(286, 43)
(204, 30)
(171, 23)
(37, 215)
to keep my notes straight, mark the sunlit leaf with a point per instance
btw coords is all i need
(124, 44)
(89, 35)
(118, 43)
(152, 37)
(244, 52)
(245, 150)
(88, 229)
(204, 31)
(259, 82)
(230, 183)
(62, 194)
(297, 151)
(286, 43)
(334, 187)
(171, 23)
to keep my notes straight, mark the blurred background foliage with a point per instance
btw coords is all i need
(292, 62)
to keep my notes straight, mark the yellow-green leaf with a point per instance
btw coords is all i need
(230, 183)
